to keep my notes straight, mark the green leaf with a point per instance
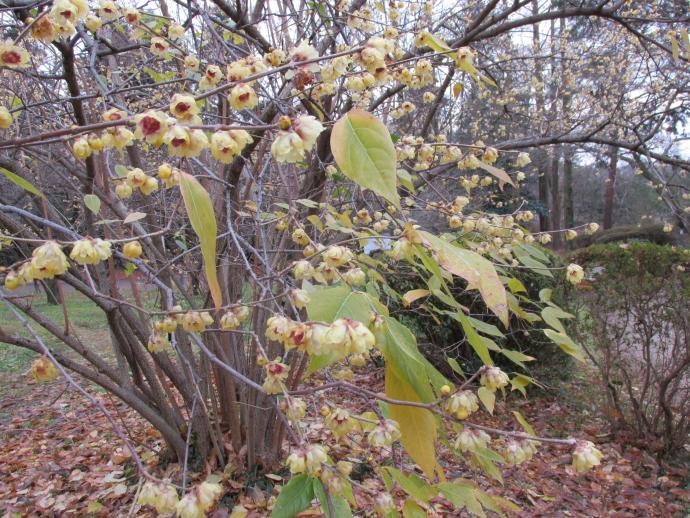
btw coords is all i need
(455, 366)
(520, 382)
(551, 316)
(364, 151)
(565, 342)
(121, 170)
(412, 509)
(462, 496)
(523, 422)
(488, 398)
(475, 339)
(294, 498)
(516, 286)
(517, 357)
(21, 182)
(476, 270)
(93, 203)
(341, 509)
(413, 485)
(203, 219)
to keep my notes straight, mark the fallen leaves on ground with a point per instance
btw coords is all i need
(60, 457)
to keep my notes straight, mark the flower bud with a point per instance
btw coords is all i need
(81, 148)
(43, 369)
(132, 250)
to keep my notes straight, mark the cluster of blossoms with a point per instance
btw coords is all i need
(326, 271)
(494, 378)
(48, 260)
(341, 338)
(164, 499)
(472, 440)
(462, 404)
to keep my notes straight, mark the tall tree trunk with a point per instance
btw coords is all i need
(610, 187)
(568, 203)
(542, 162)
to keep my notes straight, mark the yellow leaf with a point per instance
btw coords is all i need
(417, 425)
(675, 49)
(488, 398)
(500, 174)
(413, 295)
(203, 219)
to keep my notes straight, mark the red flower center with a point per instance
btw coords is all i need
(178, 142)
(66, 14)
(181, 107)
(11, 57)
(150, 125)
(275, 369)
(244, 97)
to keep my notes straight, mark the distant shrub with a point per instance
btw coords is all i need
(638, 299)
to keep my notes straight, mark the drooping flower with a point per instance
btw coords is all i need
(276, 374)
(225, 145)
(160, 47)
(93, 23)
(81, 148)
(108, 10)
(384, 435)
(585, 457)
(211, 78)
(462, 404)
(472, 440)
(175, 31)
(184, 107)
(302, 52)
(48, 261)
(43, 369)
(44, 29)
(575, 273)
(185, 142)
(90, 251)
(494, 378)
(151, 126)
(243, 96)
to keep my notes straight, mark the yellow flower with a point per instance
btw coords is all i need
(315, 455)
(151, 126)
(275, 58)
(276, 374)
(196, 322)
(184, 107)
(93, 23)
(189, 507)
(149, 186)
(158, 342)
(303, 52)
(462, 404)
(95, 142)
(494, 378)
(223, 147)
(238, 70)
(299, 298)
(184, 142)
(287, 147)
(48, 261)
(90, 251)
(570, 234)
(43, 369)
(297, 462)
(117, 137)
(585, 457)
(132, 250)
(308, 128)
(575, 273)
(12, 56)
(108, 10)
(299, 236)
(13, 280)
(337, 255)
(6, 118)
(123, 190)
(81, 148)
(191, 62)
(44, 29)
(175, 31)
(208, 493)
(243, 96)
(384, 434)
(132, 16)
(160, 47)
(211, 78)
